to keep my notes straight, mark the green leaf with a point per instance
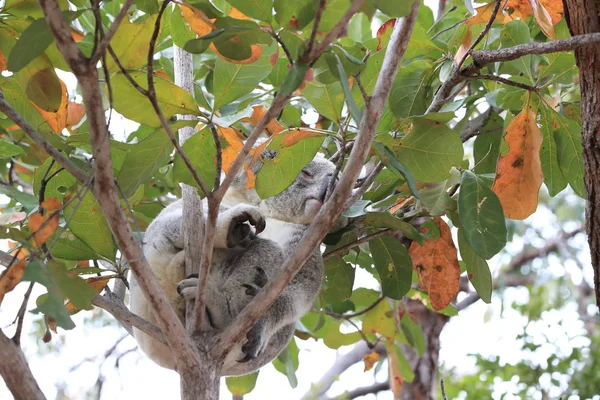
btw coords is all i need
(409, 90)
(131, 43)
(393, 265)
(71, 286)
(201, 152)
(287, 362)
(334, 339)
(147, 6)
(487, 145)
(8, 149)
(389, 160)
(513, 33)
(278, 173)
(393, 8)
(144, 160)
(354, 110)
(28, 201)
(553, 176)
(481, 216)
(87, 221)
(403, 365)
(59, 182)
(570, 151)
(51, 304)
(421, 46)
(328, 99)
(560, 68)
(478, 270)
(294, 78)
(332, 13)
(258, 9)
(339, 279)
(181, 32)
(199, 45)
(70, 247)
(135, 106)
(435, 196)
(430, 150)
(33, 42)
(241, 385)
(295, 15)
(232, 81)
(414, 333)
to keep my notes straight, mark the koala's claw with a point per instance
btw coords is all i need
(239, 231)
(187, 287)
(254, 346)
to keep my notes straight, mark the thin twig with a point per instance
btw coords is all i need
(101, 49)
(500, 79)
(283, 46)
(443, 389)
(481, 35)
(21, 315)
(365, 239)
(315, 28)
(368, 181)
(356, 314)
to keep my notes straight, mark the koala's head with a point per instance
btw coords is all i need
(302, 200)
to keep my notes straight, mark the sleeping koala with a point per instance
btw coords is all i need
(243, 262)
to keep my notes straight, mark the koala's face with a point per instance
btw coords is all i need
(302, 200)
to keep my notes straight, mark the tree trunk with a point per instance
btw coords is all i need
(16, 373)
(583, 17)
(424, 386)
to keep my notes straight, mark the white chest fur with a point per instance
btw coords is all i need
(278, 231)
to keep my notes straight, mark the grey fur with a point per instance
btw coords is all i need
(244, 260)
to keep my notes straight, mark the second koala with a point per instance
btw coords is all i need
(243, 262)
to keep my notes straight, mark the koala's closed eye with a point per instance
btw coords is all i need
(306, 174)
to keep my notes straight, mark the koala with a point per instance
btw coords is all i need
(252, 238)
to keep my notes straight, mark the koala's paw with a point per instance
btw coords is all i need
(256, 342)
(259, 281)
(238, 231)
(187, 287)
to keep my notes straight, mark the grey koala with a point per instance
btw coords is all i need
(243, 262)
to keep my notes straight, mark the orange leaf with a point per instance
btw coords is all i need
(231, 145)
(97, 284)
(370, 360)
(437, 265)
(519, 171)
(294, 137)
(56, 120)
(273, 126)
(554, 9)
(41, 226)
(10, 277)
(75, 112)
(2, 62)
(197, 20)
(76, 35)
(484, 13)
(235, 13)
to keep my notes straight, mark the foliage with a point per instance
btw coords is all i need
(245, 52)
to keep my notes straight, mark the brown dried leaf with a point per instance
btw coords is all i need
(519, 171)
(436, 263)
(11, 277)
(370, 360)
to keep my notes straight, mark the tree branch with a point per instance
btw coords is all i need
(16, 372)
(332, 208)
(500, 79)
(364, 239)
(112, 304)
(106, 193)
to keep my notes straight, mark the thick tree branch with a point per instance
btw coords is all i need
(16, 373)
(106, 192)
(474, 126)
(40, 141)
(332, 208)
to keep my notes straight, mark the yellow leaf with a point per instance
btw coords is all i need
(370, 360)
(519, 171)
(259, 112)
(11, 277)
(231, 145)
(436, 263)
(235, 13)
